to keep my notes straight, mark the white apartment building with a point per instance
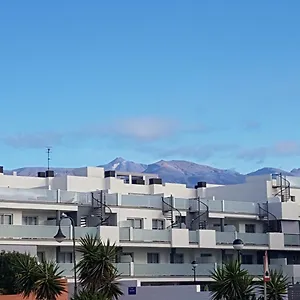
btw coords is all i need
(160, 228)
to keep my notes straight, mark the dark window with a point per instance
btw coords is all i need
(41, 256)
(136, 223)
(153, 258)
(65, 257)
(250, 228)
(158, 224)
(178, 258)
(247, 259)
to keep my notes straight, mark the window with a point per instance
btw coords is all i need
(153, 258)
(178, 258)
(136, 223)
(6, 219)
(206, 255)
(250, 228)
(65, 257)
(30, 220)
(247, 259)
(158, 224)
(41, 256)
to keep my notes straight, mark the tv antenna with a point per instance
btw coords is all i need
(48, 157)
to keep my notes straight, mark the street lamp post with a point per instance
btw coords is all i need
(59, 237)
(238, 245)
(194, 267)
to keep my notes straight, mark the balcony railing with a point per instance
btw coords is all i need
(222, 238)
(28, 195)
(193, 237)
(171, 270)
(41, 232)
(68, 271)
(179, 270)
(225, 237)
(292, 240)
(145, 235)
(44, 195)
(147, 201)
(259, 239)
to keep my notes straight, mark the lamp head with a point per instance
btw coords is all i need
(194, 264)
(59, 237)
(238, 244)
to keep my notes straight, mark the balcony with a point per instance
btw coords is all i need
(41, 232)
(171, 270)
(141, 201)
(44, 196)
(257, 239)
(145, 235)
(151, 236)
(28, 195)
(179, 270)
(292, 240)
(67, 269)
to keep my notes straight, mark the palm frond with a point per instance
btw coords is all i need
(96, 269)
(231, 282)
(277, 287)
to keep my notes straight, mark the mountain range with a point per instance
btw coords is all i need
(177, 171)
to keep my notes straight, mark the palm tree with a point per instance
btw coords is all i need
(277, 287)
(232, 283)
(97, 273)
(44, 280)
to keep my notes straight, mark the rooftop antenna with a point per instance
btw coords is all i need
(48, 157)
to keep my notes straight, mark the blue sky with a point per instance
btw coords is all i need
(215, 82)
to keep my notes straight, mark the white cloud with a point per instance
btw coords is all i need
(137, 129)
(279, 149)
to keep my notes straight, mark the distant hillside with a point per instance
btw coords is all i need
(178, 171)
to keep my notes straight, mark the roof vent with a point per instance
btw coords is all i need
(200, 184)
(1, 169)
(41, 174)
(110, 174)
(138, 181)
(49, 173)
(155, 181)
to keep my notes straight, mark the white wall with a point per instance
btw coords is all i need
(95, 181)
(22, 182)
(253, 191)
